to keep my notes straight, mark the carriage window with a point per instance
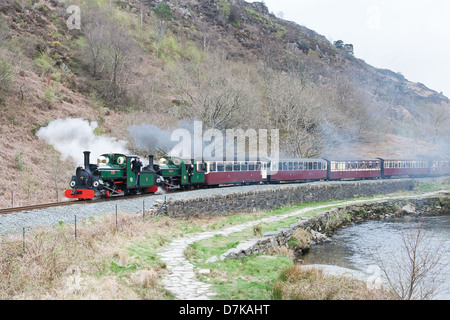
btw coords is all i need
(291, 166)
(274, 166)
(229, 167)
(251, 166)
(301, 166)
(201, 167)
(213, 167)
(244, 166)
(295, 165)
(285, 166)
(220, 167)
(236, 166)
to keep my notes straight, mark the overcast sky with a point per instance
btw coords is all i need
(407, 36)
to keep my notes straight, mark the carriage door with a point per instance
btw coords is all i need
(264, 170)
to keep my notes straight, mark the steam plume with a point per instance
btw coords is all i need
(73, 136)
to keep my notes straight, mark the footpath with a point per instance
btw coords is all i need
(182, 281)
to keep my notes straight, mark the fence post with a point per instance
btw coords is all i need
(23, 240)
(165, 205)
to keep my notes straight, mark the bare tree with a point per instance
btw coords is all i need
(118, 53)
(295, 109)
(414, 272)
(215, 91)
(94, 33)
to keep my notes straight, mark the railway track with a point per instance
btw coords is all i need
(37, 207)
(66, 203)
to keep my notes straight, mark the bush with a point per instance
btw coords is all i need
(44, 63)
(302, 238)
(6, 72)
(163, 11)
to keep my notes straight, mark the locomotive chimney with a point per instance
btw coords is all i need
(86, 160)
(150, 162)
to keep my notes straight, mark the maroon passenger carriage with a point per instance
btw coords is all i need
(298, 170)
(235, 172)
(354, 169)
(405, 167)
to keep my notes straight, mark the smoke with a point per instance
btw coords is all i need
(73, 136)
(148, 138)
(194, 141)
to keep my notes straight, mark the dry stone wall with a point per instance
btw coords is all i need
(285, 195)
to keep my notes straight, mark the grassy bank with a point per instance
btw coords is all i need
(110, 260)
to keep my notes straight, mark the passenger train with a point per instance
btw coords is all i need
(113, 174)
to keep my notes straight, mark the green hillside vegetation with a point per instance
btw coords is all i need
(230, 64)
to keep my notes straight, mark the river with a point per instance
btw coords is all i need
(356, 246)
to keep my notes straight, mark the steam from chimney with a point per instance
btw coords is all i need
(71, 137)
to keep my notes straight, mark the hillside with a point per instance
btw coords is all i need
(157, 65)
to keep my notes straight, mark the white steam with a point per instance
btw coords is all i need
(73, 136)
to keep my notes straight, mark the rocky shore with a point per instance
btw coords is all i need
(324, 223)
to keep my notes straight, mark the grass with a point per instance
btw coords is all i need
(297, 283)
(106, 262)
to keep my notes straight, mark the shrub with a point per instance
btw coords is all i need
(6, 72)
(302, 239)
(163, 11)
(44, 63)
(19, 163)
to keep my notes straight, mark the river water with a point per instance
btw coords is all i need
(357, 246)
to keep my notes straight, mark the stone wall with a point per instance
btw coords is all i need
(285, 195)
(328, 221)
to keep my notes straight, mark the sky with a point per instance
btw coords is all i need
(407, 36)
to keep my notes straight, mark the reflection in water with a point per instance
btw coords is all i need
(354, 246)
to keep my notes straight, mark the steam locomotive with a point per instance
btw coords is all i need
(113, 174)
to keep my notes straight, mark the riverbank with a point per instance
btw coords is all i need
(224, 255)
(123, 257)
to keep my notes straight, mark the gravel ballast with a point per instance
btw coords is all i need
(15, 222)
